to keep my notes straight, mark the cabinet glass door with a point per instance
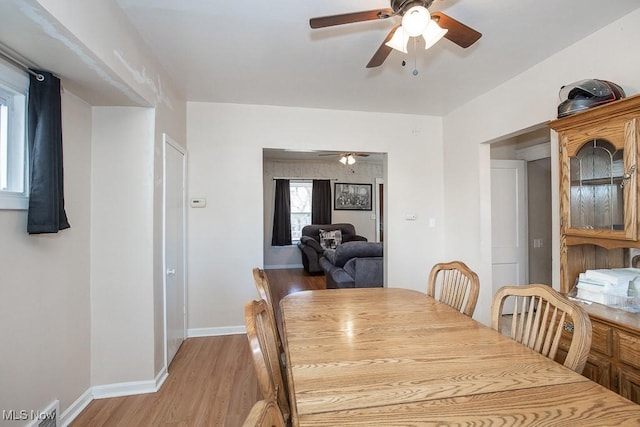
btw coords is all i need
(597, 183)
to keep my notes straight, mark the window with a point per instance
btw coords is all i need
(14, 85)
(300, 192)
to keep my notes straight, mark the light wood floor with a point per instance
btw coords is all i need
(211, 380)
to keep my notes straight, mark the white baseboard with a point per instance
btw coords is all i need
(111, 390)
(130, 388)
(124, 389)
(283, 267)
(75, 408)
(216, 331)
(134, 387)
(46, 414)
(161, 377)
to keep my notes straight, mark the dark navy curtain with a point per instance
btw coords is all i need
(282, 214)
(44, 129)
(321, 201)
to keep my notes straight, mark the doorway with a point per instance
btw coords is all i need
(533, 150)
(379, 210)
(174, 239)
(369, 168)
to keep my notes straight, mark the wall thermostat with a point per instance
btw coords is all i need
(198, 203)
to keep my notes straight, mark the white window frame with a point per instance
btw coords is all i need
(306, 182)
(14, 87)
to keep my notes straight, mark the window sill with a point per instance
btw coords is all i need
(293, 245)
(14, 202)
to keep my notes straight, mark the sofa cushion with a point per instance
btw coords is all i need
(330, 239)
(314, 229)
(369, 272)
(356, 249)
(310, 241)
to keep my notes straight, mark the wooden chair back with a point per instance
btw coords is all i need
(266, 356)
(540, 314)
(265, 413)
(456, 285)
(262, 285)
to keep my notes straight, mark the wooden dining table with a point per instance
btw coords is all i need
(397, 357)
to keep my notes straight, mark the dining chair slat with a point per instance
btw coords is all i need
(456, 285)
(540, 315)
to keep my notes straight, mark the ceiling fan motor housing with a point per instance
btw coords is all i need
(401, 6)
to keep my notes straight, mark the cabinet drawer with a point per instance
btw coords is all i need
(602, 338)
(629, 349)
(598, 369)
(629, 384)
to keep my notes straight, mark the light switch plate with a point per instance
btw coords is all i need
(198, 203)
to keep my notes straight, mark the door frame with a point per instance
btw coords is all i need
(167, 140)
(522, 199)
(379, 181)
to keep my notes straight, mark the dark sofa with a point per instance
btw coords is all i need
(310, 243)
(354, 265)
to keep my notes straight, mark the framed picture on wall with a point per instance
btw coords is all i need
(352, 197)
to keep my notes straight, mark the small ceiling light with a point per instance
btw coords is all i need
(351, 160)
(343, 159)
(433, 34)
(416, 22)
(399, 40)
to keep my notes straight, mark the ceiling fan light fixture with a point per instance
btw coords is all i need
(343, 159)
(399, 40)
(432, 34)
(416, 20)
(350, 159)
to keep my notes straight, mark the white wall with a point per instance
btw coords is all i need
(98, 33)
(107, 309)
(44, 289)
(362, 172)
(523, 102)
(121, 245)
(225, 166)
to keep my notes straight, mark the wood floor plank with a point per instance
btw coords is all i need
(211, 380)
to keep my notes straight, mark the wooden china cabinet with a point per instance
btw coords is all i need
(599, 202)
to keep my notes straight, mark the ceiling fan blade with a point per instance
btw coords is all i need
(458, 33)
(348, 18)
(383, 51)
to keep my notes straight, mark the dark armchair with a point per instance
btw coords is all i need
(354, 265)
(310, 243)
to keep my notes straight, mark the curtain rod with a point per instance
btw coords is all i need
(19, 64)
(302, 178)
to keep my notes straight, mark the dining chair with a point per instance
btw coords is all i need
(264, 413)
(456, 285)
(266, 356)
(262, 284)
(540, 315)
(264, 290)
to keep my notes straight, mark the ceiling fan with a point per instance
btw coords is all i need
(346, 158)
(416, 21)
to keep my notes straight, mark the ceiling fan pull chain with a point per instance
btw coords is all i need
(415, 56)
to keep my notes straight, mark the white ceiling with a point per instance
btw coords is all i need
(264, 52)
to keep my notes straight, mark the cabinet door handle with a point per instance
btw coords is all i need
(627, 176)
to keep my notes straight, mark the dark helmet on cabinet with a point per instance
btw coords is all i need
(585, 94)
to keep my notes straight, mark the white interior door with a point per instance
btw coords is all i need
(174, 246)
(509, 235)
